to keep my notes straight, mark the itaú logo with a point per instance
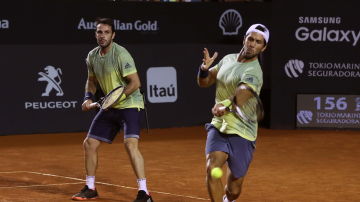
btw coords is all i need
(327, 35)
(294, 68)
(161, 84)
(304, 116)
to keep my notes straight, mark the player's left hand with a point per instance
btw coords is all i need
(208, 60)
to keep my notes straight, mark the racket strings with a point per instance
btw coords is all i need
(250, 109)
(112, 98)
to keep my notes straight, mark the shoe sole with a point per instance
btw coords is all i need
(82, 199)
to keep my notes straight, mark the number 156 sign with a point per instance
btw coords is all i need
(328, 111)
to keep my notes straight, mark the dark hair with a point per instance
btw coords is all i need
(261, 28)
(106, 21)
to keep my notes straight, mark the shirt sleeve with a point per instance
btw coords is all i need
(252, 80)
(127, 64)
(89, 66)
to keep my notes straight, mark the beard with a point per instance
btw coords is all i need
(104, 44)
(248, 57)
(249, 54)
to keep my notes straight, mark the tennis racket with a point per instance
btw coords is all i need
(249, 107)
(111, 98)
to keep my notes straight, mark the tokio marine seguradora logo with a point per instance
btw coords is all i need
(304, 116)
(52, 77)
(294, 68)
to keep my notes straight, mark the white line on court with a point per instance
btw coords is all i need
(82, 180)
(41, 185)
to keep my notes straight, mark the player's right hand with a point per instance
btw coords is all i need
(86, 105)
(207, 60)
(218, 110)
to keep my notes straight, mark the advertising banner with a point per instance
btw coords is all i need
(328, 111)
(317, 52)
(42, 88)
(44, 45)
(69, 21)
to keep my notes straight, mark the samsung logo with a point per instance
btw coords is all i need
(319, 20)
(327, 35)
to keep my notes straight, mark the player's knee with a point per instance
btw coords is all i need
(234, 193)
(90, 145)
(86, 144)
(131, 144)
(209, 167)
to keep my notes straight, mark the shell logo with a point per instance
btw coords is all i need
(230, 22)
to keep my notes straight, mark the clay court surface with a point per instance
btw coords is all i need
(288, 165)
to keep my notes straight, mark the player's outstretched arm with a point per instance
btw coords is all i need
(207, 76)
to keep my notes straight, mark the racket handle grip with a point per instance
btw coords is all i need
(94, 104)
(225, 108)
(222, 108)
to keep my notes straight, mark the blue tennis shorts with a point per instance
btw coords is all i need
(239, 149)
(107, 123)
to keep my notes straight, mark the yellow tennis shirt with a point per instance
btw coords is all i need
(230, 73)
(110, 71)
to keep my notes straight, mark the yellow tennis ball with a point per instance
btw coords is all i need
(216, 172)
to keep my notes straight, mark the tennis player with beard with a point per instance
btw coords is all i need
(229, 139)
(109, 66)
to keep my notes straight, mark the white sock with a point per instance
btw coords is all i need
(225, 199)
(142, 185)
(90, 182)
